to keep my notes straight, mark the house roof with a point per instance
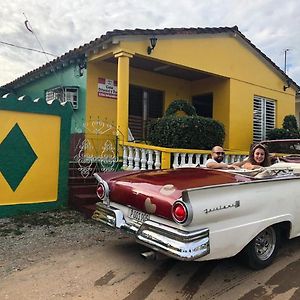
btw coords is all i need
(78, 53)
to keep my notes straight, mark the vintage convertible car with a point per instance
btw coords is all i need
(203, 214)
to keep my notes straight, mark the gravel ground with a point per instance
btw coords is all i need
(27, 239)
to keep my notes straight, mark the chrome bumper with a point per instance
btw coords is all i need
(180, 244)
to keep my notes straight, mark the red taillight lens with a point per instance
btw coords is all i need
(179, 212)
(100, 191)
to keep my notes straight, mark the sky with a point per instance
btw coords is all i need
(273, 26)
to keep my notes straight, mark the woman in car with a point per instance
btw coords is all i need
(258, 157)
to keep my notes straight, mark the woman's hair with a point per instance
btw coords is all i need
(266, 162)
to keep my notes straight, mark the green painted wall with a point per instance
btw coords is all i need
(67, 76)
(34, 155)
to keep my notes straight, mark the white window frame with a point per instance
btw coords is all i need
(63, 94)
(264, 116)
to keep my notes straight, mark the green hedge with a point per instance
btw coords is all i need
(289, 129)
(188, 132)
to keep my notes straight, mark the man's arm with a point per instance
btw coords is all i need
(212, 164)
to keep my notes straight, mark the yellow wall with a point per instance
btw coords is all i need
(106, 108)
(40, 184)
(100, 106)
(221, 92)
(241, 111)
(220, 55)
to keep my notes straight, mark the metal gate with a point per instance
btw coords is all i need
(95, 147)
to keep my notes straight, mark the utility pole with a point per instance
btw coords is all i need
(285, 67)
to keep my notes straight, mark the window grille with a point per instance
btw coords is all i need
(263, 117)
(63, 94)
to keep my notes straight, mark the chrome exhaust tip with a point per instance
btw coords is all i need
(149, 255)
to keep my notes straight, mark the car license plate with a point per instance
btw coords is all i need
(138, 215)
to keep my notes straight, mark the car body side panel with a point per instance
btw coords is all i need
(236, 214)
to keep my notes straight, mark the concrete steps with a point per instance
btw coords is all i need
(82, 191)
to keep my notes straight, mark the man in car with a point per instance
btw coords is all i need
(216, 160)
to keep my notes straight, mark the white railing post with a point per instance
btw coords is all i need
(197, 162)
(157, 159)
(226, 159)
(130, 158)
(143, 159)
(204, 158)
(182, 158)
(125, 157)
(150, 160)
(190, 160)
(175, 162)
(136, 159)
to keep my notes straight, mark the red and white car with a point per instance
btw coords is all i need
(202, 214)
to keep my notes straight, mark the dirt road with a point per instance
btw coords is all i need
(82, 260)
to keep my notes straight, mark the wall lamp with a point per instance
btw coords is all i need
(153, 41)
(288, 84)
(81, 64)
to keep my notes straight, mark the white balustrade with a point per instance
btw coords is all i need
(135, 158)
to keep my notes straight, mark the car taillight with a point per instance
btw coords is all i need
(101, 191)
(179, 212)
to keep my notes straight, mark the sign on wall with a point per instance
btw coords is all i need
(107, 88)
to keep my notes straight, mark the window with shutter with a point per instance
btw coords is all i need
(263, 117)
(63, 94)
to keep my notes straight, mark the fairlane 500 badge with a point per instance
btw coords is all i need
(236, 204)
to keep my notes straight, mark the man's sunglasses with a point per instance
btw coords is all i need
(220, 153)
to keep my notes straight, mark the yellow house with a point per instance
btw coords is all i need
(133, 75)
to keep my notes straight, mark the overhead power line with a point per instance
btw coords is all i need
(30, 49)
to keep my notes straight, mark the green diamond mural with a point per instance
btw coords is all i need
(16, 157)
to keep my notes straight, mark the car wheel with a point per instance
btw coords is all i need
(262, 250)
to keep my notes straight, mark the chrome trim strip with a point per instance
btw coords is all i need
(177, 243)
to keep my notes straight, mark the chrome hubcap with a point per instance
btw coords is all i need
(265, 243)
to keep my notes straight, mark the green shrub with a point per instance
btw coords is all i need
(180, 105)
(289, 130)
(290, 123)
(188, 132)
